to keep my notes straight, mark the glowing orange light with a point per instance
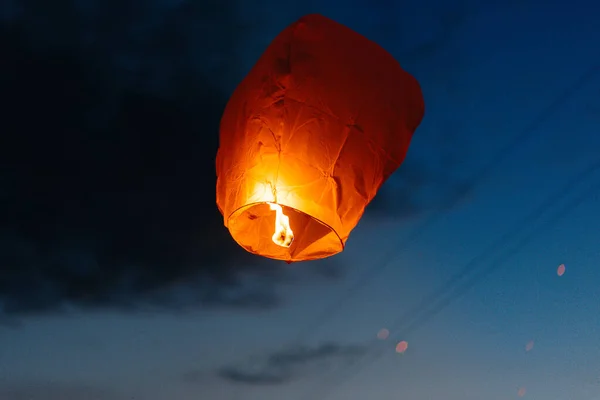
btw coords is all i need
(560, 270)
(283, 236)
(318, 124)
(383, 334)
(401, 347)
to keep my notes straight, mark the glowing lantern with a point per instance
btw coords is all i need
(308, 137)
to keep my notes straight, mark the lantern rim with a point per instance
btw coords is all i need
(340, 244)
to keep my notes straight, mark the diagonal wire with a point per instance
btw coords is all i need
(459, 290)
(390, 257)
(518, 140)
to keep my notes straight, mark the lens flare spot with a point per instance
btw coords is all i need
(383, 334)
(529, 346)
(560, 271)
(401, 347)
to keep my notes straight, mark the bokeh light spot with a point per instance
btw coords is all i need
(383, 334)
(529, 346)
(401, 347)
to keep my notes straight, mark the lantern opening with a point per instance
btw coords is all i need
(252, 227)
(283, 235)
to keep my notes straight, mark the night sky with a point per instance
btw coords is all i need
(118, 280)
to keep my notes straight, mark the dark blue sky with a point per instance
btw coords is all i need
(118, 280)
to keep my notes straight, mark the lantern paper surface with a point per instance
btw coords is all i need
(308, 137)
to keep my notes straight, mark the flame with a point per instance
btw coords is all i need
(283, 236)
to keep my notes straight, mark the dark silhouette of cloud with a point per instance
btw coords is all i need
(417, 189)
(263, 377)
(110, 130)
(108, 176)
(283, 366)
(56, 391)
(434, 177)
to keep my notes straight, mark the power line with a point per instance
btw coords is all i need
(371, 273)
(502, 242)
(476, 180)
(518, 140)
(460, 290)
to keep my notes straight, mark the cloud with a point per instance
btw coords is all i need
(263, 377)
(108, 178)
(434, 177)
(283, 366)
(416, 189)
(108, 186)
(56, 391)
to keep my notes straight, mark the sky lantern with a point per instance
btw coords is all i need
(308, 137)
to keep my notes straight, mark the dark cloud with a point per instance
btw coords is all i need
(110, 121)
(56, 391)
(416, 189)
(428, 181)
(434, 177)
(286, 365)
(108, 177)
(262, 377)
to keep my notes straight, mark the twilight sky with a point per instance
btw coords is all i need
(118, 280)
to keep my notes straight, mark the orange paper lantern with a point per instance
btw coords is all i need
(308, 137)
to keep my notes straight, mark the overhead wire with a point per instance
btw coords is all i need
(517, 141)
(371, 273)
(416, 320)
